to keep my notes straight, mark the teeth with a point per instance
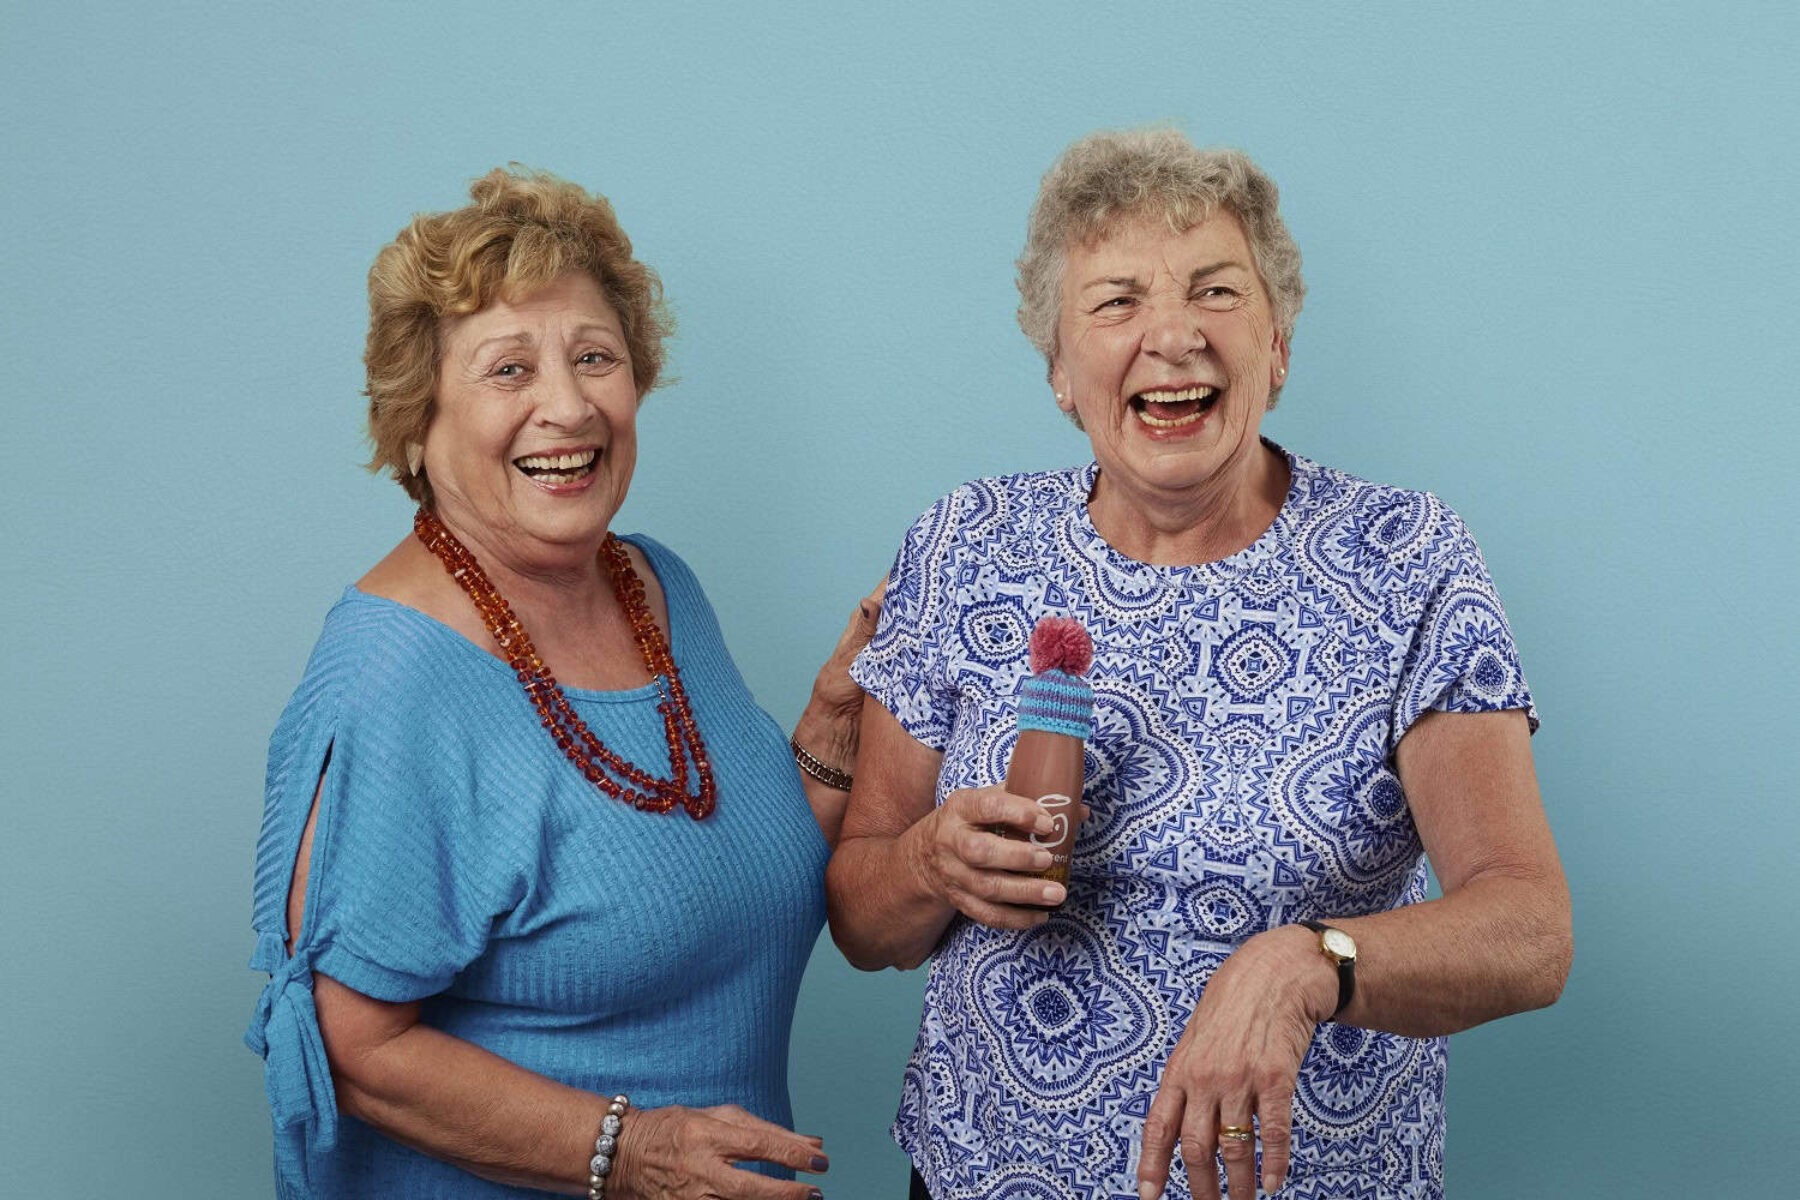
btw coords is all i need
(557, 477)
(557, 462)
(1159, 423)
(1193, 393)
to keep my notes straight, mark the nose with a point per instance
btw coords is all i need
(1174, 333)
(560, 399)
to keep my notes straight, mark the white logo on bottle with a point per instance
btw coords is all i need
(1057, 805)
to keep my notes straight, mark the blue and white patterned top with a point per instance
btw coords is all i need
(1240, 777)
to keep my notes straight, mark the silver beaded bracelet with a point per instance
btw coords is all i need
(600, 1166)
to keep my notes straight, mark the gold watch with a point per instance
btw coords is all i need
(1340, 949)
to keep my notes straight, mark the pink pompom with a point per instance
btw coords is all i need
(1061, 644)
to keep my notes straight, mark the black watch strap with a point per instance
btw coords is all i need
(1346, 970)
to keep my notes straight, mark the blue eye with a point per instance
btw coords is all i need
(509, 370)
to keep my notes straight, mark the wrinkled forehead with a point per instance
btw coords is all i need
(524, 305)
(1161, 219)
(1147, 245)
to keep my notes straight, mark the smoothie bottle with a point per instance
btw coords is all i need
(1056, 711)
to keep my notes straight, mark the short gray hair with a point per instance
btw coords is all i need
(1115, 176)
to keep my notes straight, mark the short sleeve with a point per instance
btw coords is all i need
(1461, 656)
(902, 667)
(403, 887)
(403, 883)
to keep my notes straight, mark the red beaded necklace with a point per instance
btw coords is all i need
(606, 770)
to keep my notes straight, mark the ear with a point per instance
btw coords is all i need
(1059, 384)
(1278, 362)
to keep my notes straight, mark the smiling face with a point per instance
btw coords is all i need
(533, 435)
(1167, 351)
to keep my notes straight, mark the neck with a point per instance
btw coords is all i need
(552, 584)
(1204, 523)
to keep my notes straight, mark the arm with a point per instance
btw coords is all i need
(1498, 941)
(904, 867)
(829, 727)
(455, 1101)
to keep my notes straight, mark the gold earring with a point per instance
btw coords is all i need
(415, 458)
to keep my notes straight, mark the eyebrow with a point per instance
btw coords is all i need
(508, 339)
(1224, 264)
(1127, 283)
(523, 338)
(1130, 283)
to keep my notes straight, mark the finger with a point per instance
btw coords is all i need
(1160, 1130)
(985, 850)
(996, 886)
(1275, 1122)
(997, 916)
(1199, 1146)
(749, 1137)
(996, 806)
(734, 1183)
(869, 608)
(1239, 1154)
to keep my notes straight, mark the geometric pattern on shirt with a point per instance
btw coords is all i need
(1239, 777)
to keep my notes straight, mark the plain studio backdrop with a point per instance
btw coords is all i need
(1551, 253)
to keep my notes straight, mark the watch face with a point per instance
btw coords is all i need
(1339, 943)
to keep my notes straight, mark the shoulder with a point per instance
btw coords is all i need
(989, 509)
(386, 673)
(1045, 491)
(680, 587)
(669, 566)
(1384, 537)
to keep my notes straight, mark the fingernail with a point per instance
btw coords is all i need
(816, 1194)
(820, 1164)
(1041, 859)
(1146, 1190)
(1054, 893)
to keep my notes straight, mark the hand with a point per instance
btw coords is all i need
(833, 689)
(830, 725)
(964, 854)
(666, 1153)
(1236, 1064)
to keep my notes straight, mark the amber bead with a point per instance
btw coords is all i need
(570, 733)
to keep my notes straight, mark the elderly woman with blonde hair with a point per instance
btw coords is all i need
(1303, 686)
(537, 878)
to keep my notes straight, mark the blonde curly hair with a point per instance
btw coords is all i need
(524, 229)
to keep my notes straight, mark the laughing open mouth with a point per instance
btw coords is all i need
(558, 468)
(1173, 409)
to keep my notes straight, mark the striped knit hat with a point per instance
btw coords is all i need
(1056, 699)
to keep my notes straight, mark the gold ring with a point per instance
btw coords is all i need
(1237, 1133)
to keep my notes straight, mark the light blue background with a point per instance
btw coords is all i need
(1552, 260)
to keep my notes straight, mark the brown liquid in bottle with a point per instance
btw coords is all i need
(1049, 768)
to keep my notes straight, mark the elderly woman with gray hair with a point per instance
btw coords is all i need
(1304, 685)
